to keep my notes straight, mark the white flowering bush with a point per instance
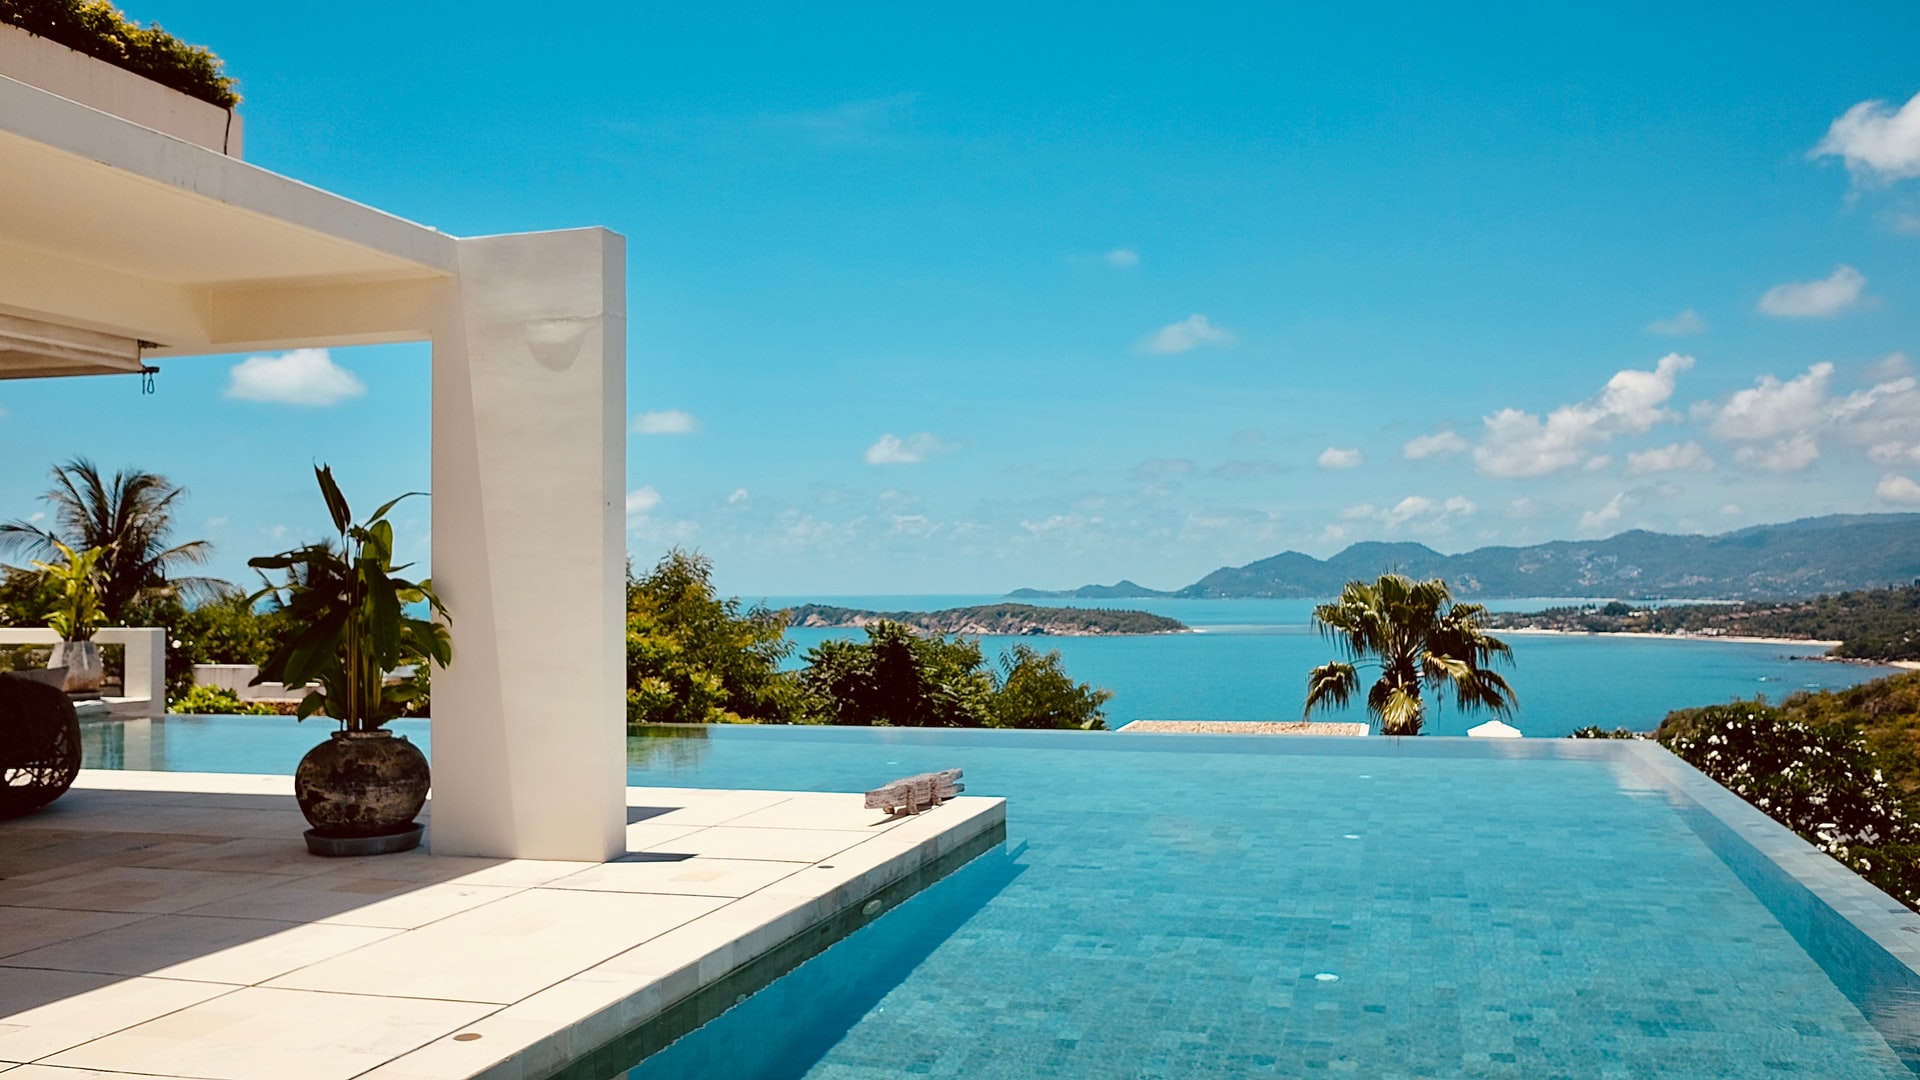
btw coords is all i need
(1820, 781)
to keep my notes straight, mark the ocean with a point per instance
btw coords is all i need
(1248, 660)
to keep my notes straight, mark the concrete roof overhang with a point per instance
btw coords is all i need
(110, 228)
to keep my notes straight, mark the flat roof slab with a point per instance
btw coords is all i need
(173, 924)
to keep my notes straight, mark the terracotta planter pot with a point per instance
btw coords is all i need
(362, 784)
(85, 672)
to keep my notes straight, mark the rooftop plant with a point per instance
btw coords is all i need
(97, 28)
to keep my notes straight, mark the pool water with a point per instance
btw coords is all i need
(1181, 906)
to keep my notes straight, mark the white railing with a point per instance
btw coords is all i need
(144, 676)
(239, 679)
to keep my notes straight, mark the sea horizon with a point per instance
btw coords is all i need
(1249, 657)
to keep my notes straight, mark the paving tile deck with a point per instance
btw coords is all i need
(173, 925)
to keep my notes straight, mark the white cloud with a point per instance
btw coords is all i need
(1821, 299)
(1791, 416)
(1435, 445)
(1186, 335)
(1421, 513)
(1517, 443)
(643, 502)
(1896, 488)
(1904, 222)
(1788, 455)
(1596, 520)
(912, 525)
(739, 496)
(1772, 408)
(1732, 510)
(1876, 140)
(1523, 508)
(1889, 367)
(666, 422)
(892, 450)
(1597, 462)
(1125, 258)
(300, 377)
(1335, 458)
(1687, 322)
(1674, 457)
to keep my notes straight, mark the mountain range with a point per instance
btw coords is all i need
(1794, 559)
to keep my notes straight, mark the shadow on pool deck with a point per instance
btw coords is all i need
(174, 925)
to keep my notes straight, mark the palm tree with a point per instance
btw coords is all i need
(1420, 639)
(128, 519)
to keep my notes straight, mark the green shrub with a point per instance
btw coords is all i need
(98, 29)
(898, 678)
(217, 701)
(1595, 731)
(1036, 692)
(693, 658)
(1821, 781)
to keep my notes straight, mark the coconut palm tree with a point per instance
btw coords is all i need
(1420, 639)
(129, 520)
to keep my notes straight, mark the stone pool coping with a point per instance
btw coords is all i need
(1867, 942)
(172, 924)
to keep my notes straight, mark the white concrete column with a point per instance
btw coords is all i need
(529, 476)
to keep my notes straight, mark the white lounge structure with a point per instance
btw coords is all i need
(123, 241)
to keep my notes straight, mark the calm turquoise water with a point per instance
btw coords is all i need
(1251, 659)
(1166, 906)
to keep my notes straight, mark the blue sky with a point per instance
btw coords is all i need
(942, 299)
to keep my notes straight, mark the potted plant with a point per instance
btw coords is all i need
(75, 616)
(362, 788)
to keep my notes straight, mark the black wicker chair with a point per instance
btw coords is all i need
(39, 745)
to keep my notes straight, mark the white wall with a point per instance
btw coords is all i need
(529, 475)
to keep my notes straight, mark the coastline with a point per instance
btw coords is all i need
(1741, 639)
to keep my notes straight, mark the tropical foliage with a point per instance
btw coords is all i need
(98, 29)
(898, 678)
(1870, 624)
(128, 520)
(1420, 640)
(27, 597)
(216, 701)
(1036, 692)
(351, 612)
(1819, 779)
(75, 613)
(693, 658)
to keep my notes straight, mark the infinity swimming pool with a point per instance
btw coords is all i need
(1174, 906)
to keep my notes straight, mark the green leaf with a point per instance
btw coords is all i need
(336, 502)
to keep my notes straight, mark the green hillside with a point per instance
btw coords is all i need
(1795, 559)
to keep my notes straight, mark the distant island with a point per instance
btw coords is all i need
(1119, 590)
(995, 620)
(1802, 558)
(1869, 624)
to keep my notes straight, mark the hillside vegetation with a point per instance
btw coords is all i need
(1796, 559)
(1870, 624)
(996, 620)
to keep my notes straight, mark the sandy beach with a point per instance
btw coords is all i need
(1736, 638)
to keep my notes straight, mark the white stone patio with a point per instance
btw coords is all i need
(172, 924)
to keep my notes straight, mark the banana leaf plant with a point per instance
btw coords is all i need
(351, 611)
(76, 614)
